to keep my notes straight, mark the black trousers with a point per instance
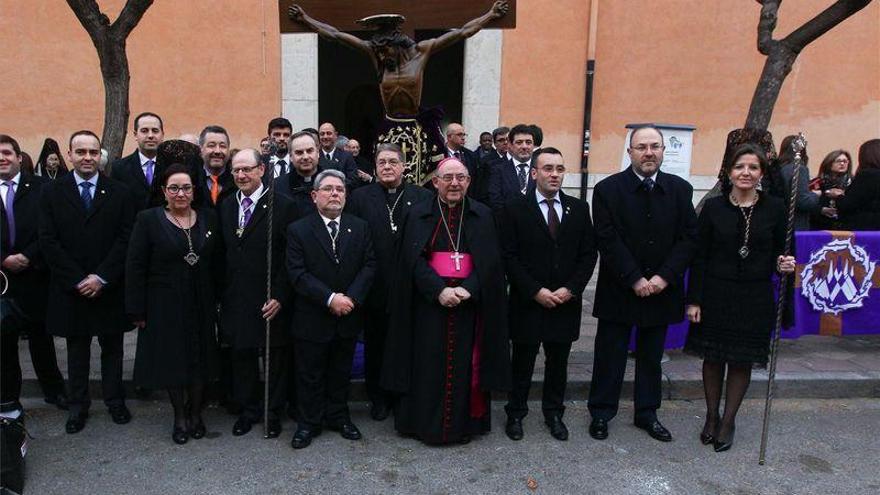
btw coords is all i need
(247, 386)
(555, 378)
(609, 365)
(78, 363)
(375, 330)
(42, 348)
(323, 376)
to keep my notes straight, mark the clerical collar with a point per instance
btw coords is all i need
(393, 190)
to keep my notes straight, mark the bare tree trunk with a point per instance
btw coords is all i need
(110, 40)
(781, 54)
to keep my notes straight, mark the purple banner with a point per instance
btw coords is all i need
(837, 287)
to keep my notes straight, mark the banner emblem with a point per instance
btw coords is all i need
(838, 277)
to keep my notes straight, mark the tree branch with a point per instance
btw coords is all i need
(90, 16)
(766, 25)
(822, 23)
(129, 17)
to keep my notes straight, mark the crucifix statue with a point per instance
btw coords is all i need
(400, 65)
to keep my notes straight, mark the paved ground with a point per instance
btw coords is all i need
(817, 447)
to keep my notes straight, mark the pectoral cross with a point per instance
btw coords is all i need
(457, 257)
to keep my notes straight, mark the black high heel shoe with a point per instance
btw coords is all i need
(723, 446)
(179, 435)
(198, 431)
(707, 436)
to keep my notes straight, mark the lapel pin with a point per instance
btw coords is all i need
(264, 206)
(348, 230)
(408, 203)
(103, 191)
(27, 184)
(208, 234)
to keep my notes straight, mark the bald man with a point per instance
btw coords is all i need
(456, 138)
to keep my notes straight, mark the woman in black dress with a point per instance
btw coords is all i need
(859, 209)
(170, 297)
(730, 290)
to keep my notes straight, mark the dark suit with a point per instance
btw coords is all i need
(244, 293)
(203, 195)
(128, 171)
(504, 184)
(299, 190)
(535, 260)
(371, 203)
(324, 343)
(640, 234)
(344, 162)
(27, 294)
(77, 243)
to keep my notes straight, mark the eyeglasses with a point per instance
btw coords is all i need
(175, 189)
(244, 170)
(644, 147)
(332, 189)
(393, 162)
(841, 160)
(448, 178)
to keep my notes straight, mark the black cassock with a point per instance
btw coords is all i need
(445, 361)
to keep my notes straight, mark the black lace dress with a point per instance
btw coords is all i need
(735, 294)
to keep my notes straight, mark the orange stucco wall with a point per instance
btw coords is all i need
(685, 62)
(543, 72)
(194, 62)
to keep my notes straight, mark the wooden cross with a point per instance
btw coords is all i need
(421, 15)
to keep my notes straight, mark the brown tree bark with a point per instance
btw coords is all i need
(781, 54)
(109, 40)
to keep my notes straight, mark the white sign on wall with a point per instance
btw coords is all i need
(679, 141)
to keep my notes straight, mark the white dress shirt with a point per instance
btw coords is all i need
(3, 187)
(545, 209)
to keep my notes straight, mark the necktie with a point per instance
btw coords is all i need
(334, 230)
(552, 218)
(327, 156)
(148, 173)
(215, 188)
(86, 194)
(10, 214)
(457, 155)
(522, 176)
(282, 167)
(246, 206)
(648, 184)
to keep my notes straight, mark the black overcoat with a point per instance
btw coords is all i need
(482, 240)
(533, 260)
(29, 287)
(292, 186)
(369, 203)
(128, 171)
(642, 234)
(315, 274)
(176, 300)
(76, 243)
(244, 284)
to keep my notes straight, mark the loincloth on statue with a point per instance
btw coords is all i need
(420, 139)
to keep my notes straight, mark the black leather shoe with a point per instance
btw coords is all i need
(179, 435)
(514, 429)
(76, 422)
(349, 431)
(655, 430)
(380, 411)
(303, 438)
(273, 429)
(198, 431)
(120, 414)
(599, 428)
(724, 445)
(59, 401)
(558, 430)
(241, 426)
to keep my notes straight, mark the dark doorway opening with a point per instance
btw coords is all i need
(348, 89)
